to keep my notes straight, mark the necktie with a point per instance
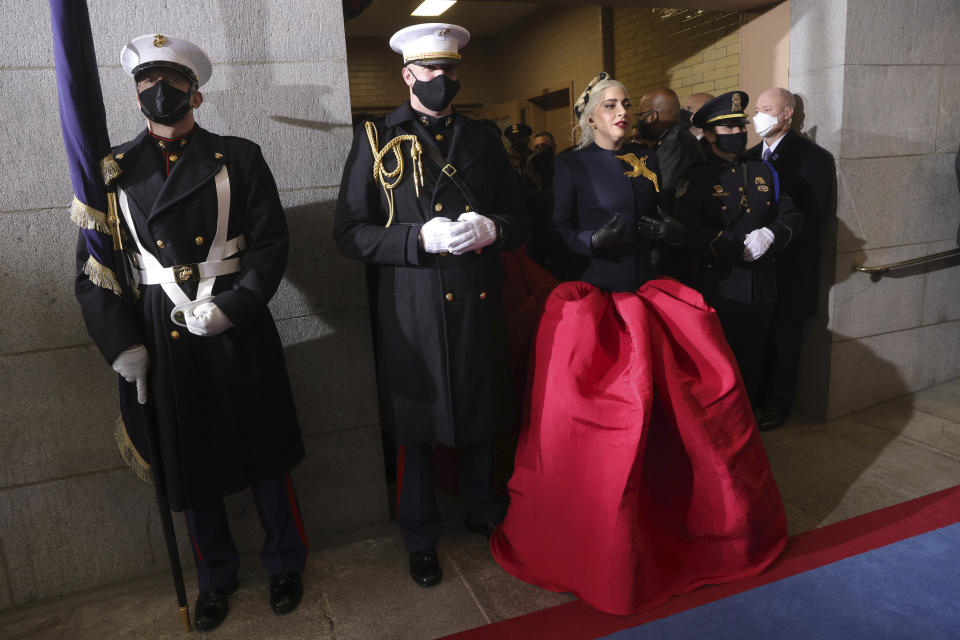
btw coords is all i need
(766, 154)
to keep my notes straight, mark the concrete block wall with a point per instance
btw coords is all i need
(691, 51)
(880, 81)
(71, 515)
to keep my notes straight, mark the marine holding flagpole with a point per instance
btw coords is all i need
(205, 242)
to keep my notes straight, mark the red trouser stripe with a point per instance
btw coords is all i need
(196, 547)
(295, 510)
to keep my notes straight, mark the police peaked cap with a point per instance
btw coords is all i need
(157, 50)
(728, 109)
(517, 131)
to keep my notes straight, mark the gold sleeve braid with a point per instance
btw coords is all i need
(384, 177)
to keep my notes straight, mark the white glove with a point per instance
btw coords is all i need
(435, 234)
(757, 243)
(207, 320)
(132, 364)
(473, 232)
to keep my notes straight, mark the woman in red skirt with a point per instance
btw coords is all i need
(639, 473)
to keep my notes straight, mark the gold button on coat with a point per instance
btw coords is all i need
(174, 157)
(178, 316)
(483, 295)
(449, 297)
(175, 334)
(161, 244)
(198, 240)
(439, 137)
(438, 207)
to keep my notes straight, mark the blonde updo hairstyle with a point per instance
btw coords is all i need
(589, 99)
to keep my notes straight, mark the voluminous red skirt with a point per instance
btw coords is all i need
(640, 473)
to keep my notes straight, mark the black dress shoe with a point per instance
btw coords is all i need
(770, 419)
(286, 591)
(425, 567)
(481, 528)
(211, 607)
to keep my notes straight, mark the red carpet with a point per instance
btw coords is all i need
(578, 621)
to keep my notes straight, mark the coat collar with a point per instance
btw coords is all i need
(142, 177)
(466, 146)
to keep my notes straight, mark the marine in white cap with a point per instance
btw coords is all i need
(429, 199)
(205, 236)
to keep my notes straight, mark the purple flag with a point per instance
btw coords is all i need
(84, 124)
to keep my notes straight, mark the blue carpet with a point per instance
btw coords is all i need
(909, 589)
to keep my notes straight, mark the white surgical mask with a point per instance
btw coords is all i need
(763, 123)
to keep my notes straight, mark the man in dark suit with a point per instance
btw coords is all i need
(735, 218)
(204, 231)
(428, 198)
(806, 173)
(677, 150)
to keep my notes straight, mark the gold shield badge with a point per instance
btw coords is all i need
(159, 40)
(736, 102)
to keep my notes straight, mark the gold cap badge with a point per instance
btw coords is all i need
(159, 40)
(735, 103)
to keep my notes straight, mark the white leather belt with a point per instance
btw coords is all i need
(150, 271)
(191, 272)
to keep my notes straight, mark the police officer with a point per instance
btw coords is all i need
(735, 220)
(206, 239)
(518, 145)
(428, 197)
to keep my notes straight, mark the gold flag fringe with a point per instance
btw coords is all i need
(109, 169)
(86, 217)
(129, 453)
(101, 276)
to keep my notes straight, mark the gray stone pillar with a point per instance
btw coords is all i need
(71, 516)
(880, 83)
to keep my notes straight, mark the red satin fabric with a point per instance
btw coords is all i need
(640, 472)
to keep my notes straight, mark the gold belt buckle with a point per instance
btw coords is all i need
(449, 170)
(186, 273)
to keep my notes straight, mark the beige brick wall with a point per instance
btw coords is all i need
(690, 52)
(547, 50)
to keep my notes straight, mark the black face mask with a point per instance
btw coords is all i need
(685, 116)
(733, 143)
(437, 94)
(164, 104)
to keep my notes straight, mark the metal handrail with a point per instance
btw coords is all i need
(933, 257)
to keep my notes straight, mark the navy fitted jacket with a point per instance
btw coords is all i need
(590, 186)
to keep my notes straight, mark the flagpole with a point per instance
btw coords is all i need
(83, 121)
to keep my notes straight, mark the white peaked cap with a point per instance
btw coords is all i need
(433, 41)
(157, 50)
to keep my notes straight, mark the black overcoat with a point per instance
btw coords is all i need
(591, 185)
(440, 332)
(709, 203)
(223, 404)
(806, 173)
